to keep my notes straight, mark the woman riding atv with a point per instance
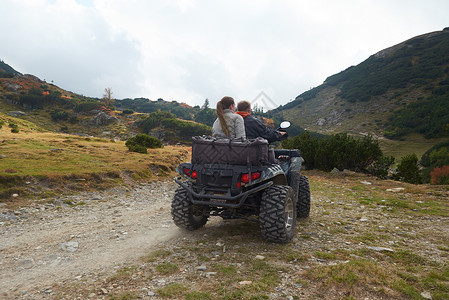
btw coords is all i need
(228, 125)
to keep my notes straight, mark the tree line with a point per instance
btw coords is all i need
(342, 151)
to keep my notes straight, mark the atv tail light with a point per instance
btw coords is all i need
(190, 173)
(254, 176)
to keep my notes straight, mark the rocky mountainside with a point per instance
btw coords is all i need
(364, 98)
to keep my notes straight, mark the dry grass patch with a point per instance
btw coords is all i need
(35, 163)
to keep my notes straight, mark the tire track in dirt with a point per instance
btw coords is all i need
(80, 235)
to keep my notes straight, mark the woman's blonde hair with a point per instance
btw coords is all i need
(223, 104)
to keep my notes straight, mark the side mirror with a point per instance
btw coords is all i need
(284, 125)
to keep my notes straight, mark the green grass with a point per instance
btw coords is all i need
(123, 273)
(353, 273)
(173, 290)
(198, 296)
(324, 255)
(407, 257)
(167, 268)
(123, 296)
(412, 143)
(158, 254)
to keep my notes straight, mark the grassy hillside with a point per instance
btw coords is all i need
(52, 108)
(54, 163)
(399, 92)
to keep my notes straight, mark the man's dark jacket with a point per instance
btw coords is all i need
(255, 128)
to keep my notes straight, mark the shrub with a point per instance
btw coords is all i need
(59, 115)
(127, 111)
(307, 144)
(14, 127)
(339, 151)
(437, 156)
(73, 119)
(408, 169)
(440, 175)
(154, 120)
(381, 166)
(141, 142)
(169, 122)
(88, 106)
(137, 148)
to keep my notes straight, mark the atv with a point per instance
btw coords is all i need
(274, 194)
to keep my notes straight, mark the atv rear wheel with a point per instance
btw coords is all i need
(303, 203)
(185, 214)
(278, 214)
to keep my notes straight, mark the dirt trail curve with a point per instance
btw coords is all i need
(78, 235)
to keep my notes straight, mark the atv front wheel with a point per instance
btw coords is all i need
(185, 214)
(303, 204)
(278, 214)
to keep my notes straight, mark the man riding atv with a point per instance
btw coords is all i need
(255, 128)
(242, 179)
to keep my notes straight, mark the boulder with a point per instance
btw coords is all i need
(102, 119)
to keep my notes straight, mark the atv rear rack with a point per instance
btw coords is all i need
(205, 193)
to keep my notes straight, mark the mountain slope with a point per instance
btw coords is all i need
(6, 70)
(52, 108)
(363, 98)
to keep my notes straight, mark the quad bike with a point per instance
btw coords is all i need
(273, 194)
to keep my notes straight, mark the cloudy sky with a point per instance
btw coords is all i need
(190, 50)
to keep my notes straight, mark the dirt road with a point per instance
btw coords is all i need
(72, 237)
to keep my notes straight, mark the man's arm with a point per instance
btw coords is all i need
(266, 132)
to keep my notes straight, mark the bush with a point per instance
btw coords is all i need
(169, 122)
(408, 170)
(435, 157)
(440, 175)
(141, 142)
(154, 120)
(381, 166)
(14, 127)
(339, 151)
(59, 115)
(307, 144)
(137, 148)
(88, 106)
(73, 119)
(127, 111)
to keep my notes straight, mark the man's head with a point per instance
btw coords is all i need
(244, 106)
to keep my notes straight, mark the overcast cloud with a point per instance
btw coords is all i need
(190, 50)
